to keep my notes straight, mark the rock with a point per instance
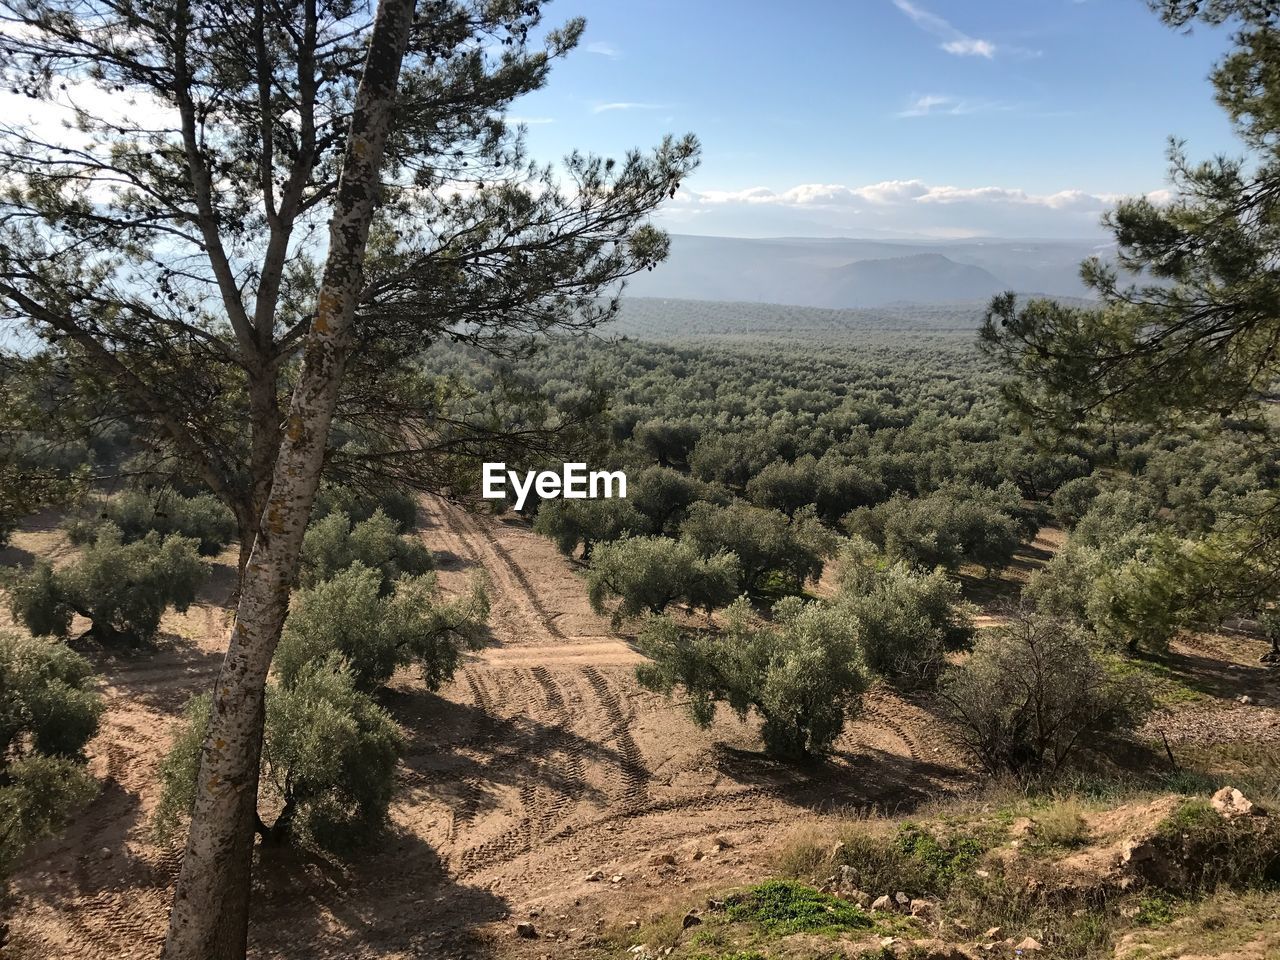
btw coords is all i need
(1029, 945)
(714, 904)
(617, 878)
(1137, 850)
(526, 931)
(722, 843)
(595, 876)
(105, 852)
(992, 934)
(633, 924)
(921, 908)
(848, 876)
(1245, 698)
(690, 920)
(1231, 803)
(658, 859)
(901, 899)
(882, 903)
(860, 897)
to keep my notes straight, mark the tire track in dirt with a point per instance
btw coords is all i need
(635, 776)
(500, 564)
(567, 752)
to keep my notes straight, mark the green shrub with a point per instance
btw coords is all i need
(37, 602)
(650, 573)
(785, 906)
(333, 543)
(123, 588)
(907, 620)
(663, 496)
(802, 672)
(359, 504)
(136, 513)
(328, 760)
(947, 528)
(768, 545)
(1034, 692)
(48, 711)
(585, 523)
(348, 616)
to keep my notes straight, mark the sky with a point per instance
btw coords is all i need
(888, 118)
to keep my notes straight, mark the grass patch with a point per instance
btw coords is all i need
(1061, 826)
(1168, 686)
(785, 906)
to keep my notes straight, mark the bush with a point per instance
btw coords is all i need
(802, 672)
(907, 620)
(328, 760)
(650, 573)
(571, 523)
(1033, 693)
(348, 617)
(333, 544)
(663, 495)
(48, 711)
(136, 513)
(1071, 501)
(767, 544)
(360, 504)
(784, 906)
(947, 528)
(123, 588)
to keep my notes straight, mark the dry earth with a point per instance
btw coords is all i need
(542, 762)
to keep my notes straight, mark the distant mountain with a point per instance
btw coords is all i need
(863, 273)
(920, 278)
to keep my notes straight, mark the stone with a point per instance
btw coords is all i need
(921, 908)
(882, 903)
(714, 904)
(848, 876)
(659, 859)
(1245, 699)
(617, 878)
(1231, 803)
(690, 920)
(860, 897)
(1029, 945)
(526, 931)
(992, 934)
(595, 876)
(901, 899)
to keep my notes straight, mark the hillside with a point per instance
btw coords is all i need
(863, 273)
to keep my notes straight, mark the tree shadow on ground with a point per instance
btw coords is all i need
(395, 899)
(162, 675)
(468, 759)
(1213, 676)
(864, 779)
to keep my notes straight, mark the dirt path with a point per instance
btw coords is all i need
(541, 762)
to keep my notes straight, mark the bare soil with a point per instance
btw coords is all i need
(541, 762)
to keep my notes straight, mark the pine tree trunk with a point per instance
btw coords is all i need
(209, 918)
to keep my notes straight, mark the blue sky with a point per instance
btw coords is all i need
(929, 118)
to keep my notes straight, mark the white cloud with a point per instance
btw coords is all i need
(934, 104)
(626, 105)
(970, 47)
(905, 207)
(600, 48)
(954, 41)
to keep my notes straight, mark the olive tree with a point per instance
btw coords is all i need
(48, 711)
(801, 672)
(648, 574)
